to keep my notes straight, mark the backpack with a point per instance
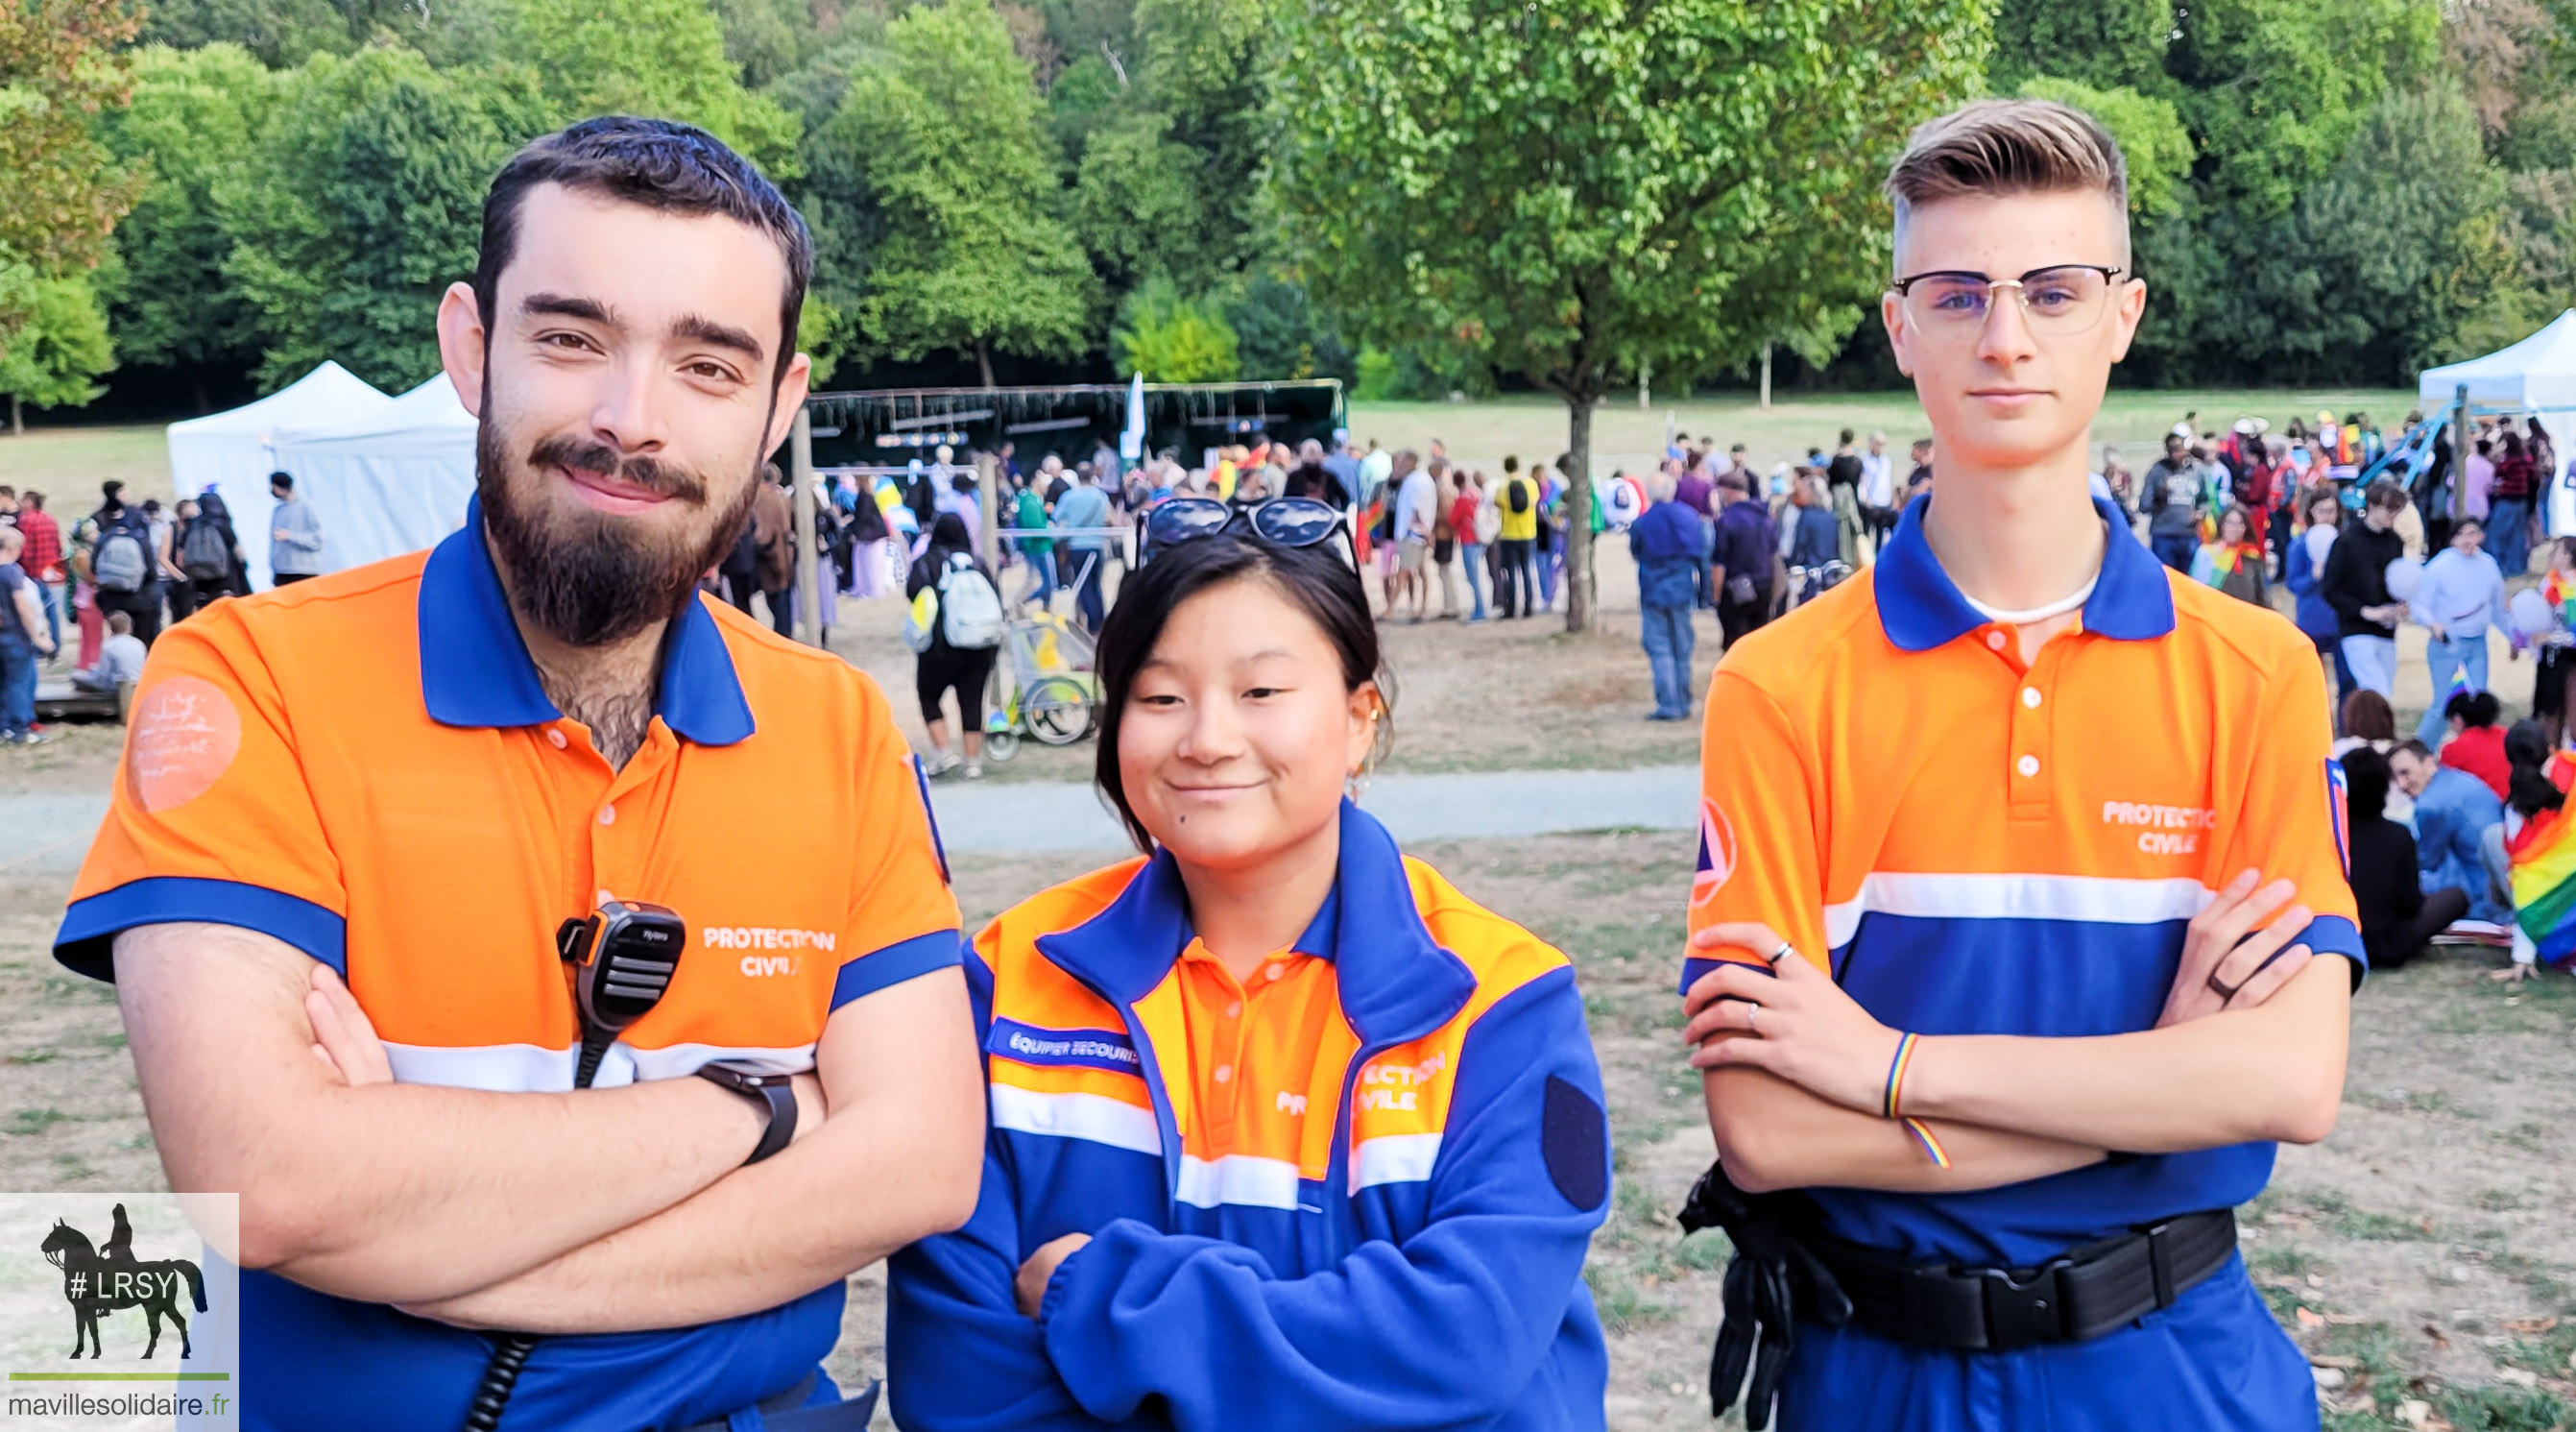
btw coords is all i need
(970, 610)
(1516, 495)
(120, 564)
(204, 554)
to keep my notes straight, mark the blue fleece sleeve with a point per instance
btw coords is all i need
(2432, 838)
(1444, 1330)
(959, 1353)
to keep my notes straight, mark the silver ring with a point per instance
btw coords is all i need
(1753, 1019)
(1782, 953)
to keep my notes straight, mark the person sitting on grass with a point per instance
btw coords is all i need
(2398, 915)
(2540, 844)
(2477, 743)
(2459, 830)
(120, 658)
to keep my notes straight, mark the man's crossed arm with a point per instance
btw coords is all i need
(590, 1211)
(1794, 1091)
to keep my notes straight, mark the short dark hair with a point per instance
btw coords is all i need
(2385, 495)
(1315, 580)
(2414, 748)
(280, 479)
(2474, 708)
(661, 165)
(2365, 782)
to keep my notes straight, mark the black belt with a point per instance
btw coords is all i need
(2080, 1294)
(787, 1412)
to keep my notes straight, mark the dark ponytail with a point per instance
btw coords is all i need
(2526, 750)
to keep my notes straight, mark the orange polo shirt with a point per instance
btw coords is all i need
(366, 767)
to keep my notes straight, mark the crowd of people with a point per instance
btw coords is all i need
(116, 578)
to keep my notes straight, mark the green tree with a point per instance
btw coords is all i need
(282, 33)
(1173, 339)
(663, 58)
(60, 348)
(2102, 44)
(59, 70)
(2405, 248)
(1204, 64)
(936, 202)
(2274, 90)
(363, 202)
(1523, 179)
(1280, 334)
(2154, 146)
(1139, 207)
(193, 123)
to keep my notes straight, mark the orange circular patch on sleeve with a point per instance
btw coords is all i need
(183, 736)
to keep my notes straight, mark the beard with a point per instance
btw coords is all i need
(585, 577)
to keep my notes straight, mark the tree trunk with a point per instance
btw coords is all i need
(984, 360)
(1645, 387)
(17, 419)
(1766, 375)
(1578, 513)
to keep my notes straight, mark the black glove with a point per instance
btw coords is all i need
(1771, 1283)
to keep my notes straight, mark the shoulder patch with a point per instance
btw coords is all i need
(1574, 1139)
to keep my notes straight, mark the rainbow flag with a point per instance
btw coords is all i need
(2560, 593)
(2543, 859)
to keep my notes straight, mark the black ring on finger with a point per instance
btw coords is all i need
(2223, 990)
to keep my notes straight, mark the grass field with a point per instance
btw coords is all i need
(76, 459)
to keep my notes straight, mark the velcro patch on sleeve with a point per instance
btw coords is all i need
(1574, 1139)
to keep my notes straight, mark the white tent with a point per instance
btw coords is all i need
(229, 451)
(391, 480)
(2536, 375)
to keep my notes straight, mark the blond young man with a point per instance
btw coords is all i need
(2017, 855)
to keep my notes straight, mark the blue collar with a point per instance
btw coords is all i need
(1395, 983)
(475, 669)
(1920, 608)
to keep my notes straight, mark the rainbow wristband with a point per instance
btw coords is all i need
(1897, 1068)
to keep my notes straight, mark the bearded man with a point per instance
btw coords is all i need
(354, 816)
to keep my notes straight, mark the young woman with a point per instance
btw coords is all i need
(2233, 561)
(2303, 569)
(1287, 1133)
(2459, 598)
(2540, 848)
(941, 668)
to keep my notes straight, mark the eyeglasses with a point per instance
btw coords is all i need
(2059, 301)
(1277, 521)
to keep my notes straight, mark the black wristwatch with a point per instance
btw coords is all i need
(776, 1092)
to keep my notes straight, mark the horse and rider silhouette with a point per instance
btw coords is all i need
(99, 1281)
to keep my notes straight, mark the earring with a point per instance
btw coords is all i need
(1356, 784)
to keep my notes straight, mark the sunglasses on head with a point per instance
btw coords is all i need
(1276, 522)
